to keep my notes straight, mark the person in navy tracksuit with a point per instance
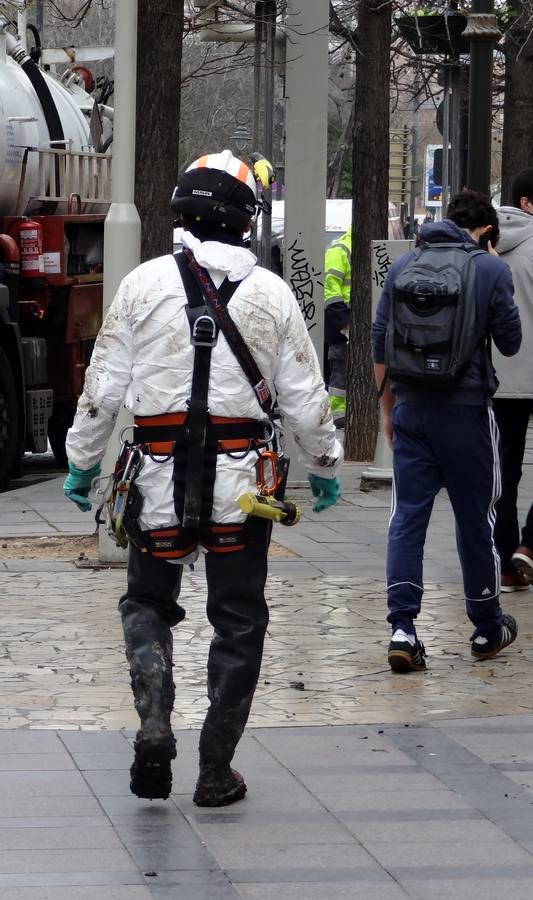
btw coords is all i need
(449, 438)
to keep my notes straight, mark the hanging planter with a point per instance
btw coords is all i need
(434, 34)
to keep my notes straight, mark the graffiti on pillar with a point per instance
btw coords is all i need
(304, 281)
(383, 255)
(381, 263)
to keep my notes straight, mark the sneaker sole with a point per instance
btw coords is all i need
(510, 589)
(401, 662)
(523, 563)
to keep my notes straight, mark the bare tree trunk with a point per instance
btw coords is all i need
(517, 149)
(160, 30)
(370, 215)
(337, 163)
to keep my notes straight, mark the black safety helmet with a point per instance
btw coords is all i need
(219, 188)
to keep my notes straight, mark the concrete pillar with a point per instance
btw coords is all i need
(379, 474)
(122, 229)
(483, 32)
(306, 89)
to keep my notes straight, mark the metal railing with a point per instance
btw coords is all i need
(67, 174)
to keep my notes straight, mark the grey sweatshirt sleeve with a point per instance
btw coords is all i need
(503, 314)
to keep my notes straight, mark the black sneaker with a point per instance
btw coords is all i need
(405, 657)
(485, 648)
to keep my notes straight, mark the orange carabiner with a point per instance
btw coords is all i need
(267, 472)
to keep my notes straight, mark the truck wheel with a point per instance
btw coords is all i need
(58, 425)
(9, 422)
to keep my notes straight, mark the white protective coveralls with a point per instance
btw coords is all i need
(143, 357)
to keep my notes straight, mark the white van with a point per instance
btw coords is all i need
(338, 220)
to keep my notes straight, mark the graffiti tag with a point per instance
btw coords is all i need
(383, 264)
(302, 279)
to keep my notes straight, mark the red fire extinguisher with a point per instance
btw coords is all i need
(29, 236)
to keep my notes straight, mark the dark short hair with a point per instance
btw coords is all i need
(471, 210)
(522, 186)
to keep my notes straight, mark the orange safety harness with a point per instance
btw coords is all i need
(194, 439)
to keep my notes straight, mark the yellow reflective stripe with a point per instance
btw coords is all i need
(335, 273)
(347, 250)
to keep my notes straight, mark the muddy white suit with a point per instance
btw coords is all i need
(143, 357)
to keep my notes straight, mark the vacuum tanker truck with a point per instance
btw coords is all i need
(54, 194)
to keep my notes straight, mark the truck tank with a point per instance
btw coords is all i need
(31, 121)
(22, 124)
(53, 179)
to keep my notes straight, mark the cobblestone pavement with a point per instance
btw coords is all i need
(62, 661)
(362, 784)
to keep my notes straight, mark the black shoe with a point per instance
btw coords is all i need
(219, 787)
(405, 657)
(151, 773)
(485, 648)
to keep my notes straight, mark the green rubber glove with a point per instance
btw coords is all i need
(77, 485)
(328, 491)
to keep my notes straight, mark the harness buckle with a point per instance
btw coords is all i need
(204, 332)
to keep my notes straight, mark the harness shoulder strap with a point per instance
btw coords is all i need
(216, 303)
(204, 332)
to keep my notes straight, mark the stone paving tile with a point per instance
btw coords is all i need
(26, 762)
(205, 885)
(441, 831)
(18, 517)
(75, 879)
(43, 807)
(42, 784)
(30, 530)
(457, 855)
(52, 837)
(116, 860)
(302, 859)
(75, 892)
(476, 887)
(347, 890)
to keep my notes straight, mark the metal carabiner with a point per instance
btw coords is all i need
(133, 464)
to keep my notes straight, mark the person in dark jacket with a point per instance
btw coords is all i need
(448, 437)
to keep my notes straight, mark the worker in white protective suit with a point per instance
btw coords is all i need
(199, 427)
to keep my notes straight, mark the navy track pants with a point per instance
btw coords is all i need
(455, 447)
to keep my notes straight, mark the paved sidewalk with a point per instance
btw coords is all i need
(362, 784)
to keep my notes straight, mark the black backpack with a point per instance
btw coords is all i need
(433, 330)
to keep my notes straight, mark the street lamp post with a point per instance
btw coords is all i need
(482, 31)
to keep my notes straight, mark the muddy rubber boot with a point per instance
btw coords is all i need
(149, 653)
(218, 786)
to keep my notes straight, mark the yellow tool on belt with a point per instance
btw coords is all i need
(283, 511)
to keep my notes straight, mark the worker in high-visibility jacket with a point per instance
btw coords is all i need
(337, 283)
